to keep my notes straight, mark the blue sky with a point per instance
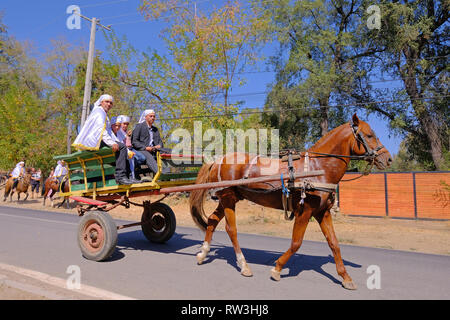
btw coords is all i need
(41, 21)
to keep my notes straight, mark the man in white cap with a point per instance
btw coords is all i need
(17, 173)
(146, 138)
(96, 133)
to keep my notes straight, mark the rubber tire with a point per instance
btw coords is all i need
(169, 221)
(110, 235)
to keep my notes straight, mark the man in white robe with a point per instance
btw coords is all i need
(96, 133)
(17, 173)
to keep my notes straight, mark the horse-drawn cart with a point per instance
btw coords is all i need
(92, 185)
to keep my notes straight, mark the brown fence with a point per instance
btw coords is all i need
(414, 195)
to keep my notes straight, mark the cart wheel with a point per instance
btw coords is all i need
(158, 222)
(97, 235)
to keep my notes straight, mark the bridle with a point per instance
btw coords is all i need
(370, 154)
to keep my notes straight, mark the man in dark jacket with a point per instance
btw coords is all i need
(147, 140)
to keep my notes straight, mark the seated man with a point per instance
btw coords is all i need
(147, 140)
(124, 135)
(96, 133)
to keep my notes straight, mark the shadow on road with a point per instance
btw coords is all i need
(135, 240)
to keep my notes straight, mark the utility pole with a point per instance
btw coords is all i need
(69, 137)
(90, 65)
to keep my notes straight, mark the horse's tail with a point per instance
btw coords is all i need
(197, 198)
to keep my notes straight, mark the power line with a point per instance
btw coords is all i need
(102, 4)
(205, 98)
(298, 108)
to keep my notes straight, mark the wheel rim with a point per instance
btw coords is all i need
(93, 236)
(158, 222)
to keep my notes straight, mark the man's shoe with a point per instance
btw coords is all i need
(135, 180)
(124, 180)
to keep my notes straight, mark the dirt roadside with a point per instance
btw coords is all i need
(431, 237)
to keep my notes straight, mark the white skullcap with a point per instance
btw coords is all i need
(123, 119)
(145, 113)
(103, 97)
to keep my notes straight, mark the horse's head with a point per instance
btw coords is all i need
(368, 145)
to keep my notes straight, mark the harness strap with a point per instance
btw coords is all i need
(306, 163)
(218, 170)
(251, 164)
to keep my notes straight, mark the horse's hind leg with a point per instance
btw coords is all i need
(213, 221)
(300, 224)
(326, 225)
(229, 204)
(66, 201)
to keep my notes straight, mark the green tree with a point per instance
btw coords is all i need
(412, 44)
(208, 52)
(318, 66)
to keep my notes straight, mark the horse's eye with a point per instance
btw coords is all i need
(369, 136)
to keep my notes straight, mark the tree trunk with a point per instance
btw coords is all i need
(434, 139)
(323, 116)
(425, 118)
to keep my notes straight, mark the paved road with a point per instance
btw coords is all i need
(46, 242)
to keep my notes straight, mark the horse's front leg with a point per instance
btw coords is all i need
(326, 225)
(26, 196)
(300, 224)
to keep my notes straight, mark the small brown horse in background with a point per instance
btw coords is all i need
(22, 186)
(332, 153)
(52, 185)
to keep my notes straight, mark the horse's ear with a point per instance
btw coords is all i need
(355, 120)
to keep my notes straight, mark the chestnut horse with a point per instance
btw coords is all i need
(332, 153)
(22, 186)
(51, 186)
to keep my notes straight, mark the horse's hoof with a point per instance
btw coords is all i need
(275, 275)
(246, 272)
(349, 285)
(200, 258)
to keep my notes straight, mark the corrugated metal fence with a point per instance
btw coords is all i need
(414, 195)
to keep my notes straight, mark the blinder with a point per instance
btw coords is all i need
(370, 154)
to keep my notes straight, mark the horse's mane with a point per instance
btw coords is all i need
(326, 136)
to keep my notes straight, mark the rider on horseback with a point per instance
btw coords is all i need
(60, 171)
(17, 173)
